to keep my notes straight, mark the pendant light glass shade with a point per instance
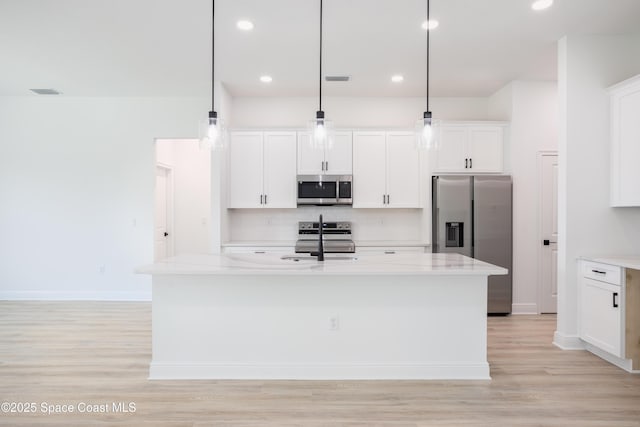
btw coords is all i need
(426, 133)
(321, 132)
(212, 133)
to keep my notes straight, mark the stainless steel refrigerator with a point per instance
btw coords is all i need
(472, 216)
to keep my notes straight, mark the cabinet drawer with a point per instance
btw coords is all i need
(602, 272)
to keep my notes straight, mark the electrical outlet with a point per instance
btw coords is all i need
(334, 323)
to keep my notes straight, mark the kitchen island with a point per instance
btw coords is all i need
(259, 316)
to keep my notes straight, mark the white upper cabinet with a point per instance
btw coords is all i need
(469, 148)
(403, 170)
(262, 170)
(336, 160)
(625, 143)
(245, 170)
(369, 169)
(386, 170)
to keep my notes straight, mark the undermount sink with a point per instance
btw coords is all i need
(313, 258)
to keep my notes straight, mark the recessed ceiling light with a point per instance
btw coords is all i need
(244, 25)
(46, 91)
(266, 79)
(541, 4)
(432, 24)
(397, 78)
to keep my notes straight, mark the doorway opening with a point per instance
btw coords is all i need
(182, 198)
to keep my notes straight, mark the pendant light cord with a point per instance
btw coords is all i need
(213, 50)
(428, 31)
(320, 76)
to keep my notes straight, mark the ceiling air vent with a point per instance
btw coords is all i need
(337, 78)
(45, 91)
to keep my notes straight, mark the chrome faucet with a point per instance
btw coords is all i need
(320, 252)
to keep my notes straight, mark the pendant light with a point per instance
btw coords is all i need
(211, 130)
(320, 128)
(426, 137)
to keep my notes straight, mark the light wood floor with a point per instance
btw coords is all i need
(98, 352)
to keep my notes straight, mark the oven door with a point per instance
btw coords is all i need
(317, 190)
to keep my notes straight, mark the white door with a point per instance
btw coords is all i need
(452, 149)
(338, 158)
(485, 149)
(548, 233)
(279, 170)
(369, 170)
(403, 170)
(245, 170)
(163, 211)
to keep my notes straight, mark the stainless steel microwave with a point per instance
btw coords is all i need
(324, 190)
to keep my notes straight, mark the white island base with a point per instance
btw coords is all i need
(419, 316)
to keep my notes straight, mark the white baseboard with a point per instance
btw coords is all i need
(567, 342)
(360, 371)
(621, 363)
(526, 308)
(74, 296)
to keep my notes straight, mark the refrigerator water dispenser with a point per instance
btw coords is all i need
(455, 235)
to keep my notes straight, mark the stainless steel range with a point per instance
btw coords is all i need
(336, 237)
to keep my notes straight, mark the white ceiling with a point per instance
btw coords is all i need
(162, 47)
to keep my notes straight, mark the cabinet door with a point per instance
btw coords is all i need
(309, 159)
(485, 149)
(452, 149)
(280, 169)
(339, 157)
(403, 170)
(625, 153)
(600, 319)
(369, 174)
(245, 170)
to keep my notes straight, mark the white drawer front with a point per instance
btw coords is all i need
(602, 272)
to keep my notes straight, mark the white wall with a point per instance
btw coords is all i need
(587, 65)
(191, 175)
(76, 192)
(352, 112)
(532, 110)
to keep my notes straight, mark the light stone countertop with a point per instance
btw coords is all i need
(625, 261)
(422, 264)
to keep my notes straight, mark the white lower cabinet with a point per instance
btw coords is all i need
(389, 250)
(609, 312)
(601, 319)
(235, 249)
